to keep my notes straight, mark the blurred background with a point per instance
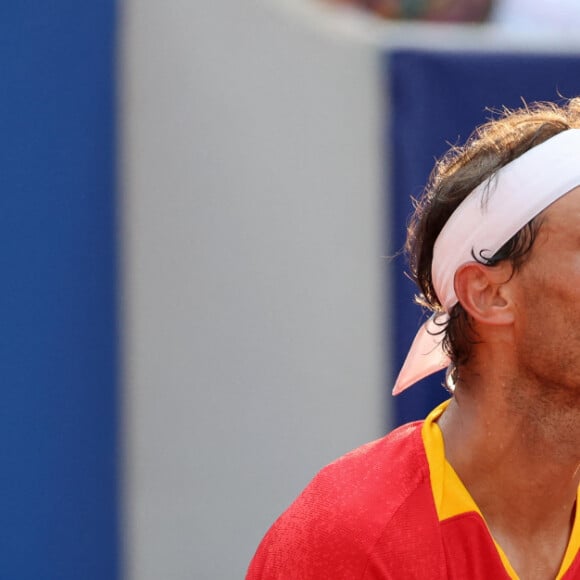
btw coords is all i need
(203, 298)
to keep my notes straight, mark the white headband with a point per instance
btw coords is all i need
(482, 223)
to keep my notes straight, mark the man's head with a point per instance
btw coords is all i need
(456, 175)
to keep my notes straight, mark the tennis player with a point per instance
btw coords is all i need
(486, 487)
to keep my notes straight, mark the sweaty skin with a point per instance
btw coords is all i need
(521, 461)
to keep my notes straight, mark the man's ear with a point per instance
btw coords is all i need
(485, 292)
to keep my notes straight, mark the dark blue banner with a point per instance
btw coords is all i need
(58, 409)
(437, 98)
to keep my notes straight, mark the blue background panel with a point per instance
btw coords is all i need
(437, 99)
(58, 411)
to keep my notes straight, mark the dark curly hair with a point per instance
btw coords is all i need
(455, 175)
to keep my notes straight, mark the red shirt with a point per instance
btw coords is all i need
(372, 514)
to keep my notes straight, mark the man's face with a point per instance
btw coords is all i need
(547, 326)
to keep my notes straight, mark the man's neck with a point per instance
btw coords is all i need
(521, 465)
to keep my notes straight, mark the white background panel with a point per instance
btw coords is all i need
(254, 273)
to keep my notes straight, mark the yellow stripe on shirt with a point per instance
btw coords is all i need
(452, 498)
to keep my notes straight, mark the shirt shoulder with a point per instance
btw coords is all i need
(346, 515)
